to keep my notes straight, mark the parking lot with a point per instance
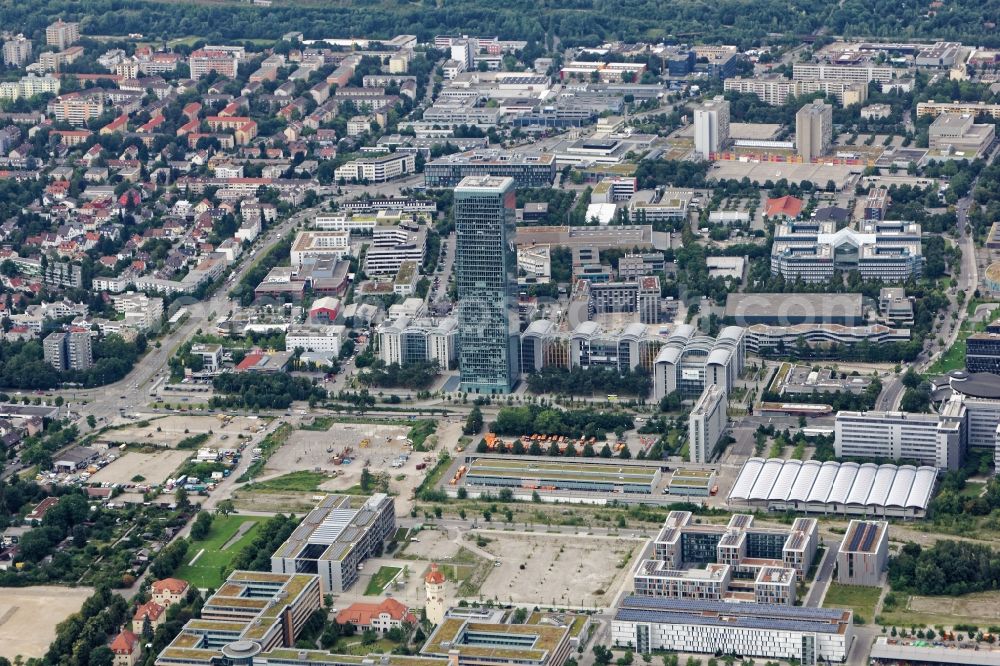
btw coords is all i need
(761, 172)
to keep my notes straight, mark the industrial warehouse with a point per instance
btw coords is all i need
(834, 488)
(534, 473)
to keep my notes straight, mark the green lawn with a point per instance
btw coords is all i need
(207, 570)
(861, 599)
(319, 424)
(303, 481)
(353, 645)
(380, 580)
(972, 489)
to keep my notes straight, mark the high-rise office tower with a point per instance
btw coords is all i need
(711, 127)
(814, 130)
(485, 272)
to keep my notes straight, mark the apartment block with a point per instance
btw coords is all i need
(203, 61)
(863, 553)
(857, 73)
(813, 130)
(711, 127)
(68, 351)
(776, 91)
(61, 34)
(336, 537)
(17, 51)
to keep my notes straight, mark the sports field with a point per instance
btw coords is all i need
(228, 536)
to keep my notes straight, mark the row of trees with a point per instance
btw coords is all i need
(531, 419)
(417, 374)
(590, 381)
(255, 390)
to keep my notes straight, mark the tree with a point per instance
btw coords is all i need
(225, 507)
(101, 656)
(202, 524)
(91, 421)
(474, 422)
(602, 655)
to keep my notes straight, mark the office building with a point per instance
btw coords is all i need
(895, 308)
(863, 553)
(527, 474)
(335, 537)
(319, 245)
(16, 51)
(812, 251)
(711, 127)
(377, 169)
(689, 362)
(640, 297)
(819, 339)
(62, 35)
(720, 61)
(982, 353)
(463, 51)
(68, 351)
(407, 339)
(251, 612)
(527, 170)
(834, 488)
(707, 423)
(813, 130)
(393, 245)
(931, 439)
(485, 274)
(958, 135)
(979, 393)
(775, 631)
(588, 345)
(857, 73)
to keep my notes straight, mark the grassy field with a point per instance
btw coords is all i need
(354, 646)
(380, 580)
(972, 489)
(301, 481)
(207, 569)
(981, 609)
(861, 599)
(319, 424)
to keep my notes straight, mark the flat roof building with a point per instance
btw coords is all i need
(707, 423)
(790, 309)
(335, 537)
(813, 130)
(931, 439)
(527, 170)
(689, 362)
(863, 553)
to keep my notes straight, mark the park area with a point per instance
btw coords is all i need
(862, 600)
(151, 468)
(206, 559)
(29, 615)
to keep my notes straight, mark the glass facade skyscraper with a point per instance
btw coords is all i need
(485, 271)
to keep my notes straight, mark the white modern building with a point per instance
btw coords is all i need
(319, 244)
(770, 631)
(323, 339)
(689, 362)
(377, 169)
(711, 127)
(408, 339)
(707, 423)
(931, 439)
(392, 245)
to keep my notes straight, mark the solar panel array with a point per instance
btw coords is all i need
(778, 480)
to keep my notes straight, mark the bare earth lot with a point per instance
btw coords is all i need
(172, 430)
(29, 615)
(156, 467)
(307, 450)
(981, 607)
(559, 569)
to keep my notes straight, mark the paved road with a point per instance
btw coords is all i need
(823, 575)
